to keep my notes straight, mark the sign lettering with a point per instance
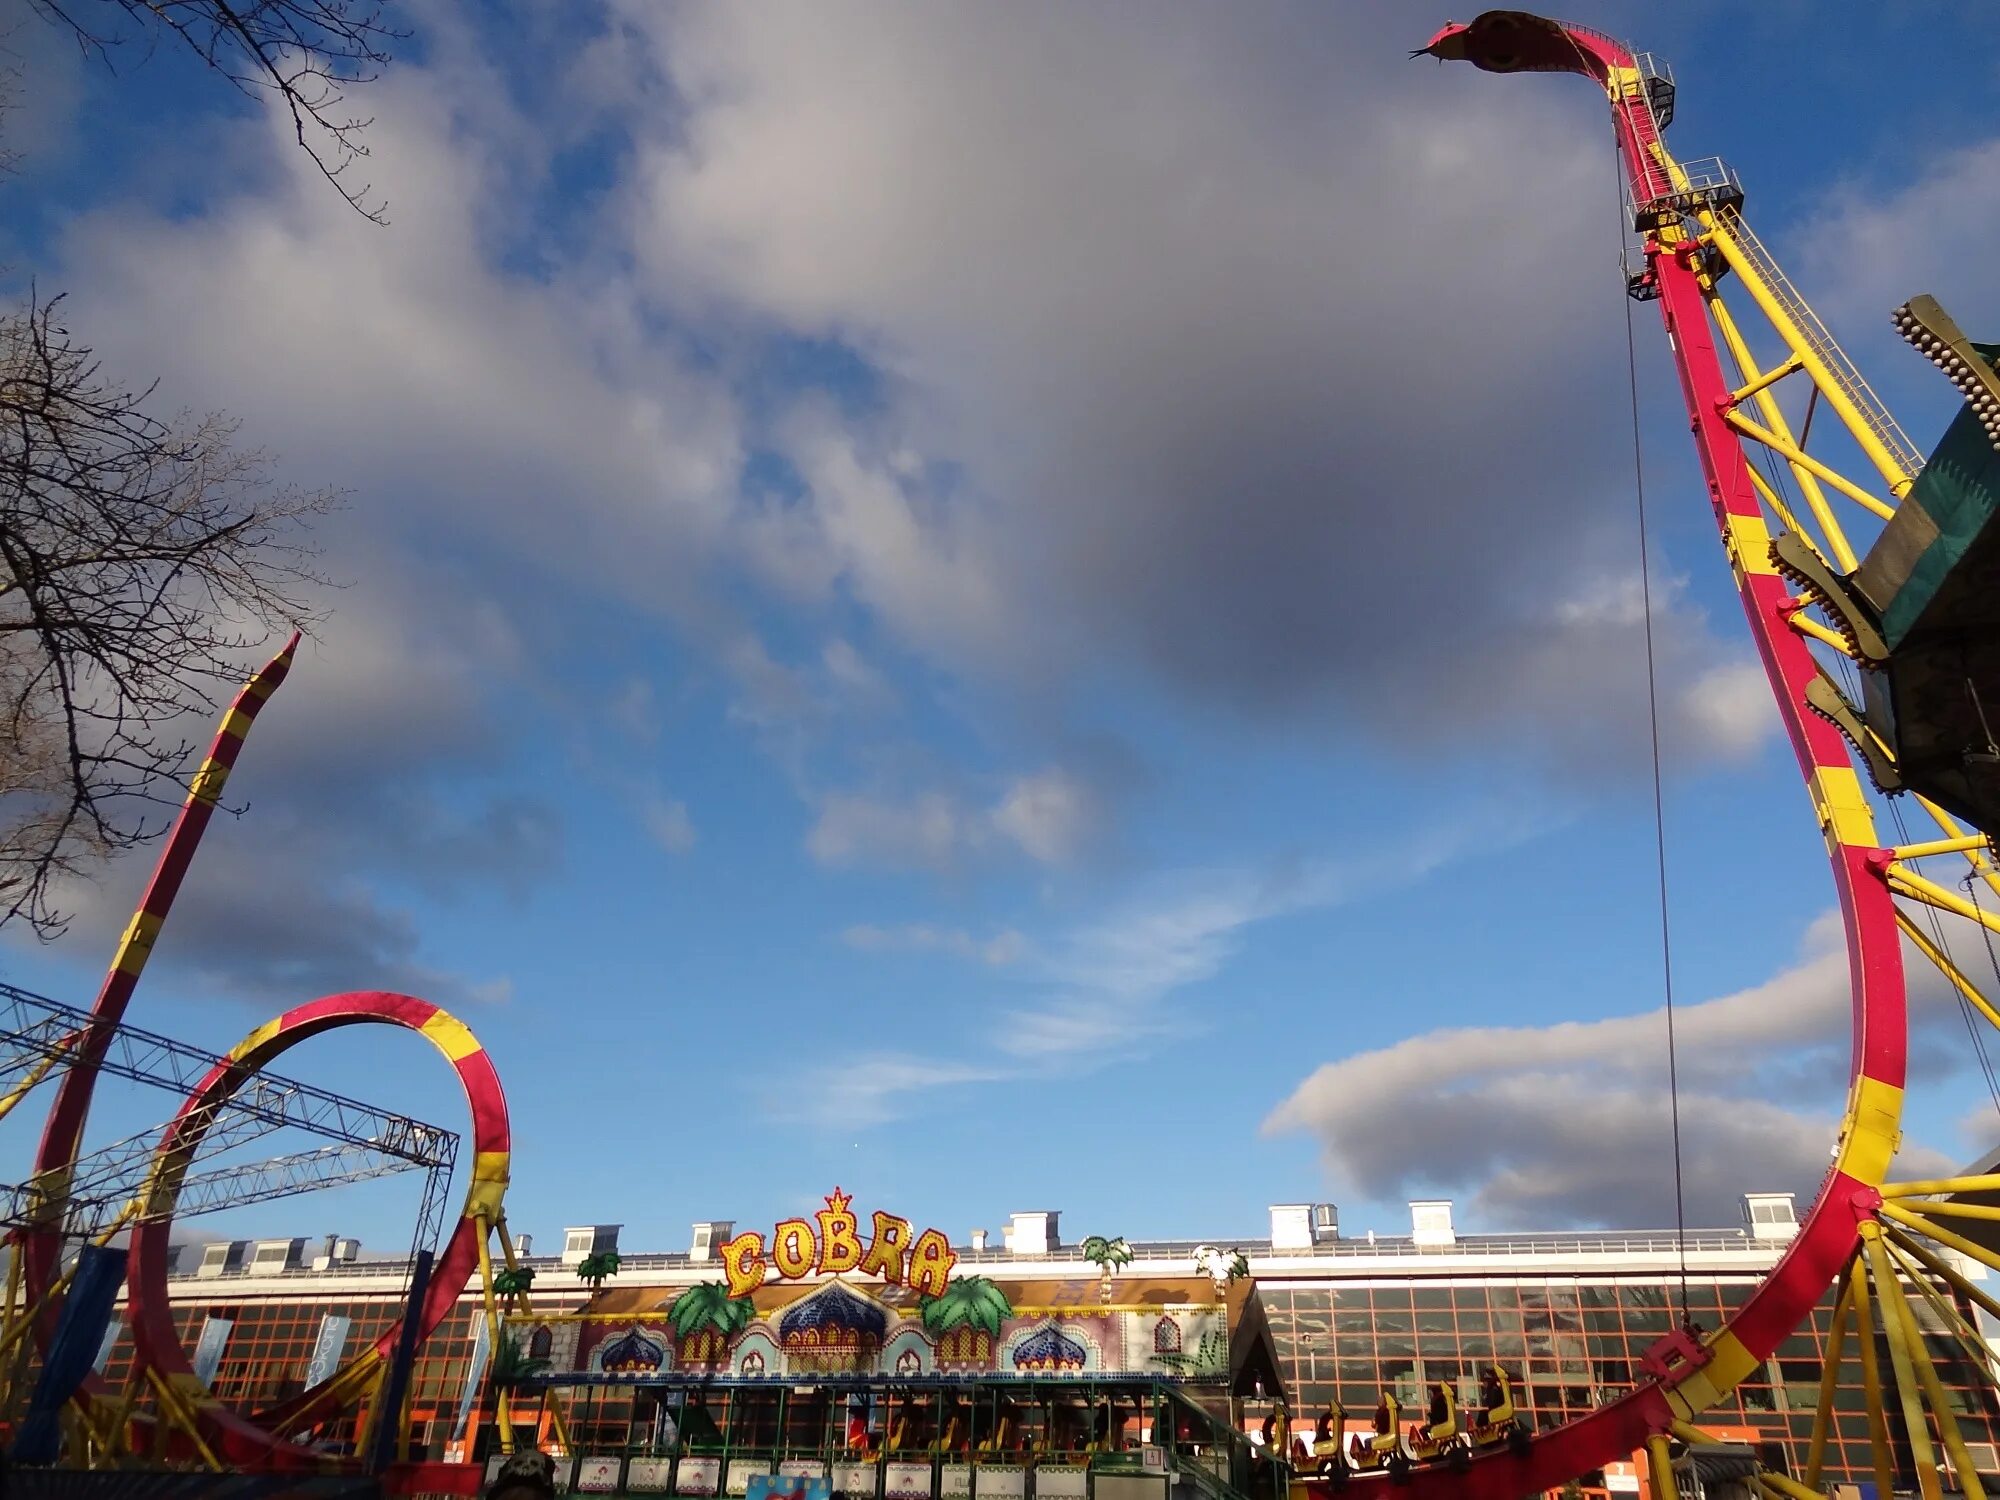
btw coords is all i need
(922, 1262)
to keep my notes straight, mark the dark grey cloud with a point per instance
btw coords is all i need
(1230, 346)
(369, 776)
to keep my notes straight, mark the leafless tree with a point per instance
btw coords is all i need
(140, 560)
(306, 53)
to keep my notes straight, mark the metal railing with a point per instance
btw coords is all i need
(1873, 413)
(1663, 1243)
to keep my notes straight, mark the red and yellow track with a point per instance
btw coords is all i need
(1847, 1235)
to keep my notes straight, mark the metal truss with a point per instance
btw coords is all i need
(89, 1215)
(39, 1035)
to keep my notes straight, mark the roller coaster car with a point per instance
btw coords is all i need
(1496, 1422)
(1437, 1436)
(1329, 1457)
(1384, 1450)
(1922, 611)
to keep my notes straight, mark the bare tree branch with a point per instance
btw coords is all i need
(139, 561)
(307, 53)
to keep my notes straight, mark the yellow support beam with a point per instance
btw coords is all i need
(1968, 1339)
(1784, 512)
(1798, 457)
(1829, 1379)
(1807, 626)
(1907, 882)
(1660, 1469)
(502, 1417)
(1791, 365)
(1909, 1387)
(1951, 829)
(1879, 1452)
(1830, 388)
(36, 1074)
(1965, 843)
(1911, 1245)
(1943, 964)
(1815, 497)
(175, 1407)
(1988, 1212)
(1905, 1325)
(1903, 1214)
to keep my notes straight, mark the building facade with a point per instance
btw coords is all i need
(1568, 1316)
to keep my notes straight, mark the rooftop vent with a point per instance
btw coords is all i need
(1430, 1224)
(1771, 1216)
(1291, 1226)
(709, 1238)
(582, 1241)
(1033, 1233)
(222, 1257)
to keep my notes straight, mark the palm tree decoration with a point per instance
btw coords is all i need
(1107, 1256)
(1222, 1266)
(965, 1318)
(705, 1318)
(512, 1366)
(514, 1281)
(592, 1270)
(1211, 1356)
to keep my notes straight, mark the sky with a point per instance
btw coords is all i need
(1012, 608)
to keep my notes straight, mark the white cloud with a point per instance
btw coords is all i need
(667, 822)
(926, 832)
(1570, 1122)
(1004, 947)
(1050, 815)
(1729, 708)
(1872, 248)
(871, 1089)
(635, 709)
(849, 670)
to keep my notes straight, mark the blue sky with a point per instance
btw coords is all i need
(1028, 609)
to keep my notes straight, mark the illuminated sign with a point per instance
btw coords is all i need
(921, 1262)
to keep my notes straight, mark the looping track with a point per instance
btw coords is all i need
(254, 1440)
(1678, 1387)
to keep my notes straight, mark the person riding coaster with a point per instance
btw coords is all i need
(1496, 1420)
(1437, 1436)
(1385, 1449)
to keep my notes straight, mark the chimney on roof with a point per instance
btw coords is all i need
(522, 1245)
(1430, 1224)
(979, 1239)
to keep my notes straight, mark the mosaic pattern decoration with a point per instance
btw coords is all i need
(1149, 1328)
